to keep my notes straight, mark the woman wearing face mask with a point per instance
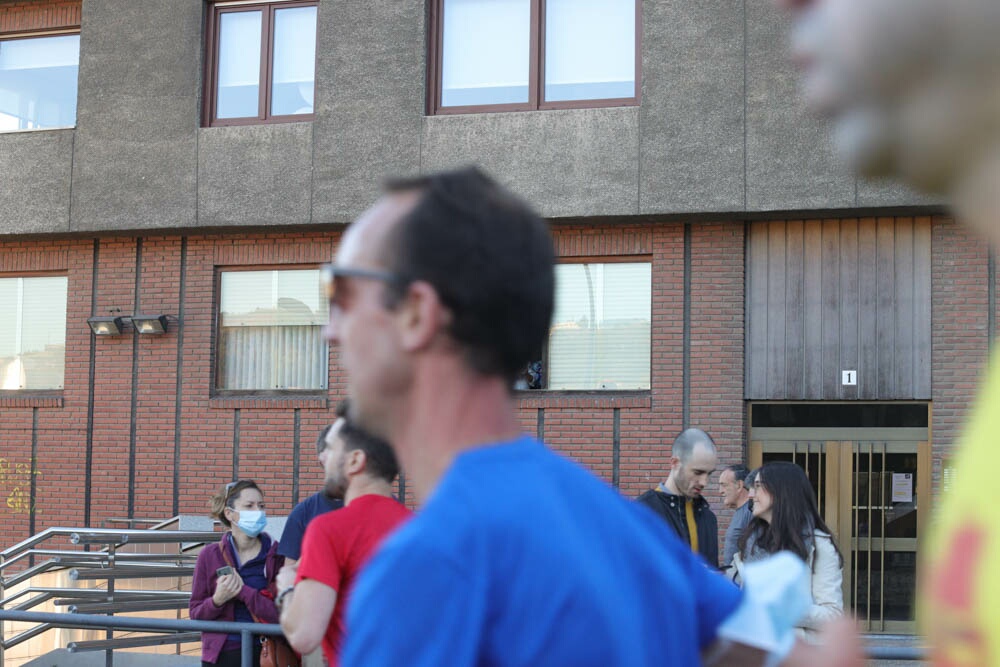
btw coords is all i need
(234, 579)
(785, 518)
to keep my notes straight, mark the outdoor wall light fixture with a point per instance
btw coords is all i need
(105, 326)
(143, 324)
(149, 324)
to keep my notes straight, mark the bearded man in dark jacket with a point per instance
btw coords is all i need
(678, 499)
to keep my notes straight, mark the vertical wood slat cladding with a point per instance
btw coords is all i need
(824, 296)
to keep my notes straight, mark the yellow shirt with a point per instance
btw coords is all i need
(959, 607)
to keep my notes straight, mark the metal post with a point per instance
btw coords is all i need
(109, 659)
(246, 648)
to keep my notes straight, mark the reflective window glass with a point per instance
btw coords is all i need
(239, 65)
(38, 82)
(293, 81)
(589, 49)
(485, 52)
(263, 66)
(533, 54)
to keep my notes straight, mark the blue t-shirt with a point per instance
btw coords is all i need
(290, 545)
(521, 557)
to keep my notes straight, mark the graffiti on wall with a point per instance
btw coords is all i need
(15, 485)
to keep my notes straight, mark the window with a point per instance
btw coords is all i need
(271, 331)
(262, 62)
(600, 336)
(508, 55)
(38, 80)
(32, 332)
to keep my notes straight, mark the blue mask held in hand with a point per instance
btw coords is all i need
(252, 522)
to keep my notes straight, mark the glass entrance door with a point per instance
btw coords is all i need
(869, 492)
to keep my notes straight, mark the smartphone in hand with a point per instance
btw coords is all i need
(223, 571)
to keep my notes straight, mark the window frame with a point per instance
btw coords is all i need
(48, 32)
(545, 390)
(210, 92)
(52, 392)
(536, 69)
(215, 391)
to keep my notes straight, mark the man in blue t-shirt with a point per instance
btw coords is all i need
(318, 503)
(440, 295)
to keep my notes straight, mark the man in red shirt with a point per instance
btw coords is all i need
(313, 594)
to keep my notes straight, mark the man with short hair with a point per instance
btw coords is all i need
(735, 496)
(303, 513)
(440, 295)
(913, 87)
(679, 500)
(299, 519)
(359, 469)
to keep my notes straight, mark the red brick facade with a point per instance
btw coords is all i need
(172, 413)
(39, 15)
(961, 297)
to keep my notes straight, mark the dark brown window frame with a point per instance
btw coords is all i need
(536, 69)
(210, 94)
(217, 392)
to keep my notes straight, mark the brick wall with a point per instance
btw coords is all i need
(961, 322)
(39, 15)
(137, 431)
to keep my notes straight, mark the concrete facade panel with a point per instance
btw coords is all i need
(791, 163)
(36, 181)
(892, 193)
(135, 158)
(369, 101)
(575, 162)
(691, 117)
(255, 174)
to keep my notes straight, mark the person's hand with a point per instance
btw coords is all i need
(226, 588)
(286, 577)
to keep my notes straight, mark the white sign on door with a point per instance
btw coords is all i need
(849, 378)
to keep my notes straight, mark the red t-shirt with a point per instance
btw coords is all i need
(337, 544)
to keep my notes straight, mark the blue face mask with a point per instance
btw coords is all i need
(252, 522)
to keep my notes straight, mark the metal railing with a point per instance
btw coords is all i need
(106, 563)
(246, 631)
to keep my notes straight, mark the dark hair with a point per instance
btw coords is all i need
(794, 515)
(491, 260)
(321, 439)
(740, 472)
(341, 413)
(227, 496)
(380, 459)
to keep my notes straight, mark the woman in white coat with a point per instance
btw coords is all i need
(785, 518)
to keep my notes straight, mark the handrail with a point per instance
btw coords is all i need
(104, 562)
(133, 642)
(108, 536)
(245, 630)
(97, 555)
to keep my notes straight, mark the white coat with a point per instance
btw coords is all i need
(826, 584)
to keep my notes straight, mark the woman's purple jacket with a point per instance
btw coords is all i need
(202, 608)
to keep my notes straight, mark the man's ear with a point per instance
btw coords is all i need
(421, 316)
(355, 461)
